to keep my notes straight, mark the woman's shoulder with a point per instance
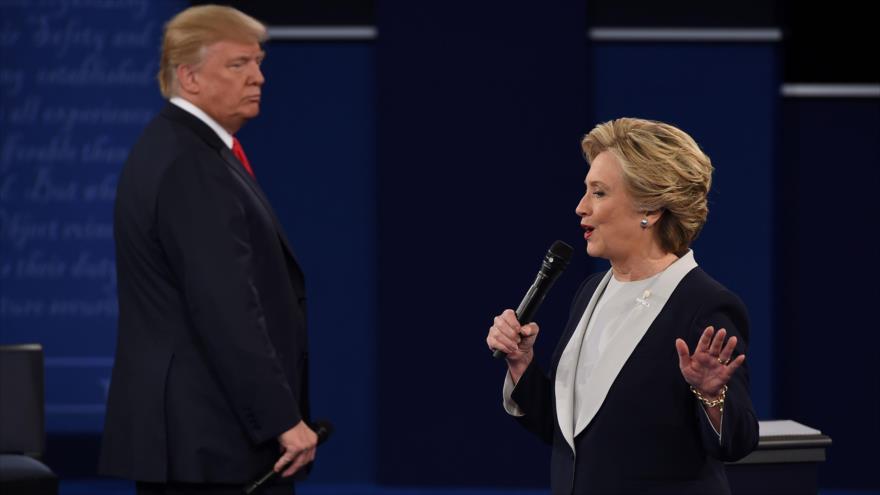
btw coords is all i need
(701, 289)
(699, 281)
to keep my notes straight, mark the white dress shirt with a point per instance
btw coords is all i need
(204, 117)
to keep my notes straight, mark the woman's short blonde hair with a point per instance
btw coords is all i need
(663, 169)
(191, 31)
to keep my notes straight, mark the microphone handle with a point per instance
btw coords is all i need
(533, 298)
(529, 304)
(255, 487)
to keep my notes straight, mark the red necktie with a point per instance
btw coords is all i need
(239, 153)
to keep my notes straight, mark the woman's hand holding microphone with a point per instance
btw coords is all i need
(507, 335)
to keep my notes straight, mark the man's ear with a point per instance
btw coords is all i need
(186, 78)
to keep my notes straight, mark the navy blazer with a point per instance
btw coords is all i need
(650, 435)
(211, 362)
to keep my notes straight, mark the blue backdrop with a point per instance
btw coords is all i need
(78, 86)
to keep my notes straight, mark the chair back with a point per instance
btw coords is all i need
(22, 414)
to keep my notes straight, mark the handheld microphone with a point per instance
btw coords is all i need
(322, 428)
(552, 266)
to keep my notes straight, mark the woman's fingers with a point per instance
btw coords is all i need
(498, 341)
(705, 340)
(727, 351)
(504, 326)
(684, 354)
(710, 365)
(736, 363)
(509, 316)
(717, 342)
(506, 334)
(529, 331)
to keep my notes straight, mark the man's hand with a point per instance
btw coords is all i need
(298, 446)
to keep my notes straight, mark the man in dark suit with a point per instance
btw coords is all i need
(209, 385)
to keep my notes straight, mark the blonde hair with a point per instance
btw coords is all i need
(188, 33)
(663, 169)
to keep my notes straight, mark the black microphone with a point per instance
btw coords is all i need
(552, 266)
(322, 428)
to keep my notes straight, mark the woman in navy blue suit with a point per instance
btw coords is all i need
(648, 390)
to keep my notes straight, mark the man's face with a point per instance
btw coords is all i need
(229, 83)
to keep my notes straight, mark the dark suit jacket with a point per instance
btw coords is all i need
(650, 435)
(211, 362)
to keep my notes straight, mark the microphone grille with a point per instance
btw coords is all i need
(556, 259)
(561, 250)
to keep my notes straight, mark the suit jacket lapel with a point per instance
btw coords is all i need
(584, 296)
(181, 116)
(638, 322)
(567, 366)
(239, 170)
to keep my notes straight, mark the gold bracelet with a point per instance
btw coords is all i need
(719, 402)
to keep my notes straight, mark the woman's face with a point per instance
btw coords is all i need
(608, 214)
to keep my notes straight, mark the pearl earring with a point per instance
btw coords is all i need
(644, 223)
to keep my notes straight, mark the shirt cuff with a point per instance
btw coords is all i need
(507, 392)
(709, 420)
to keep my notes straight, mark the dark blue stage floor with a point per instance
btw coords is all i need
(113, 487)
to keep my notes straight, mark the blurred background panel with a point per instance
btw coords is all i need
(683, 13)
(307, 12)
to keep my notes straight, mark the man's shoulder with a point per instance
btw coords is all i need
(166, 138)
(165, 126)
(163, 143)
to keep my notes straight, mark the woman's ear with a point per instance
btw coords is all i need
(650, 218)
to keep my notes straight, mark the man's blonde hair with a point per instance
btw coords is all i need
(191, 31)
(663, 169)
